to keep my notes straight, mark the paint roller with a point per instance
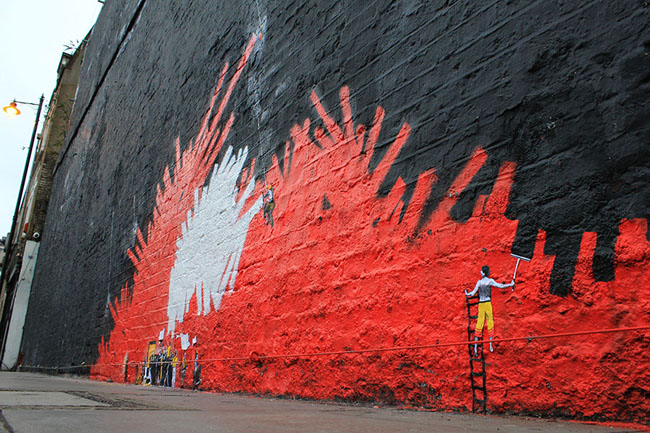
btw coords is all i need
(519, 258)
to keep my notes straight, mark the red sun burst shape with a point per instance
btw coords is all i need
(337, 271)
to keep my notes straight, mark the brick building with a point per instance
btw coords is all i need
(33, 209)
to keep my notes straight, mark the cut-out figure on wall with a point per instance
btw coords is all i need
(269, 205)
(167, 381)
(484, 288)
(153, 364)
(197, 372)
(174, 357)
(148, 366)
(162, 379)
(183, 370)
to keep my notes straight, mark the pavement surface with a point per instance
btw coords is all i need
(34, 403)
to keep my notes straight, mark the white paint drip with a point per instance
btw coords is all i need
(185, 341)
(209, 249)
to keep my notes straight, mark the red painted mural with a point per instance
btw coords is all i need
(327, 266)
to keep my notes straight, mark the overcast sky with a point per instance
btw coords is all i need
(34, 34)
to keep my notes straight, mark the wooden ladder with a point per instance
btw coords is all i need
(477, 373)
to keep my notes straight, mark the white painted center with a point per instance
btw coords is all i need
(211, 244)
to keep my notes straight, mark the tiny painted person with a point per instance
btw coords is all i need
(484, 289)
(269, 205)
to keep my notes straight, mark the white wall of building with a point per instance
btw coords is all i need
(21, 300)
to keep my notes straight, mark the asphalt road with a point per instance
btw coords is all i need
(34, 403)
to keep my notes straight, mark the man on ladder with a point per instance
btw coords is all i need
(484, 288)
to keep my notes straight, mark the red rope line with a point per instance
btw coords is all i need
(375, 350)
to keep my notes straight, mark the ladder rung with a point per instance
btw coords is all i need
(473, 317)
(478, 374)
(476, 359)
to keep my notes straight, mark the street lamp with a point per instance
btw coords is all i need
(12, 111)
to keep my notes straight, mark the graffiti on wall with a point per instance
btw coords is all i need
(164, 366)
(208, 251)
(310, 257)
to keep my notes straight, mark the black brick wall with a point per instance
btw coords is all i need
(561, 88)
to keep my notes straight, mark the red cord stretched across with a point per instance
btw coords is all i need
(376, 350)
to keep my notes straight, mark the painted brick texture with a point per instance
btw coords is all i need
(246, 181)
